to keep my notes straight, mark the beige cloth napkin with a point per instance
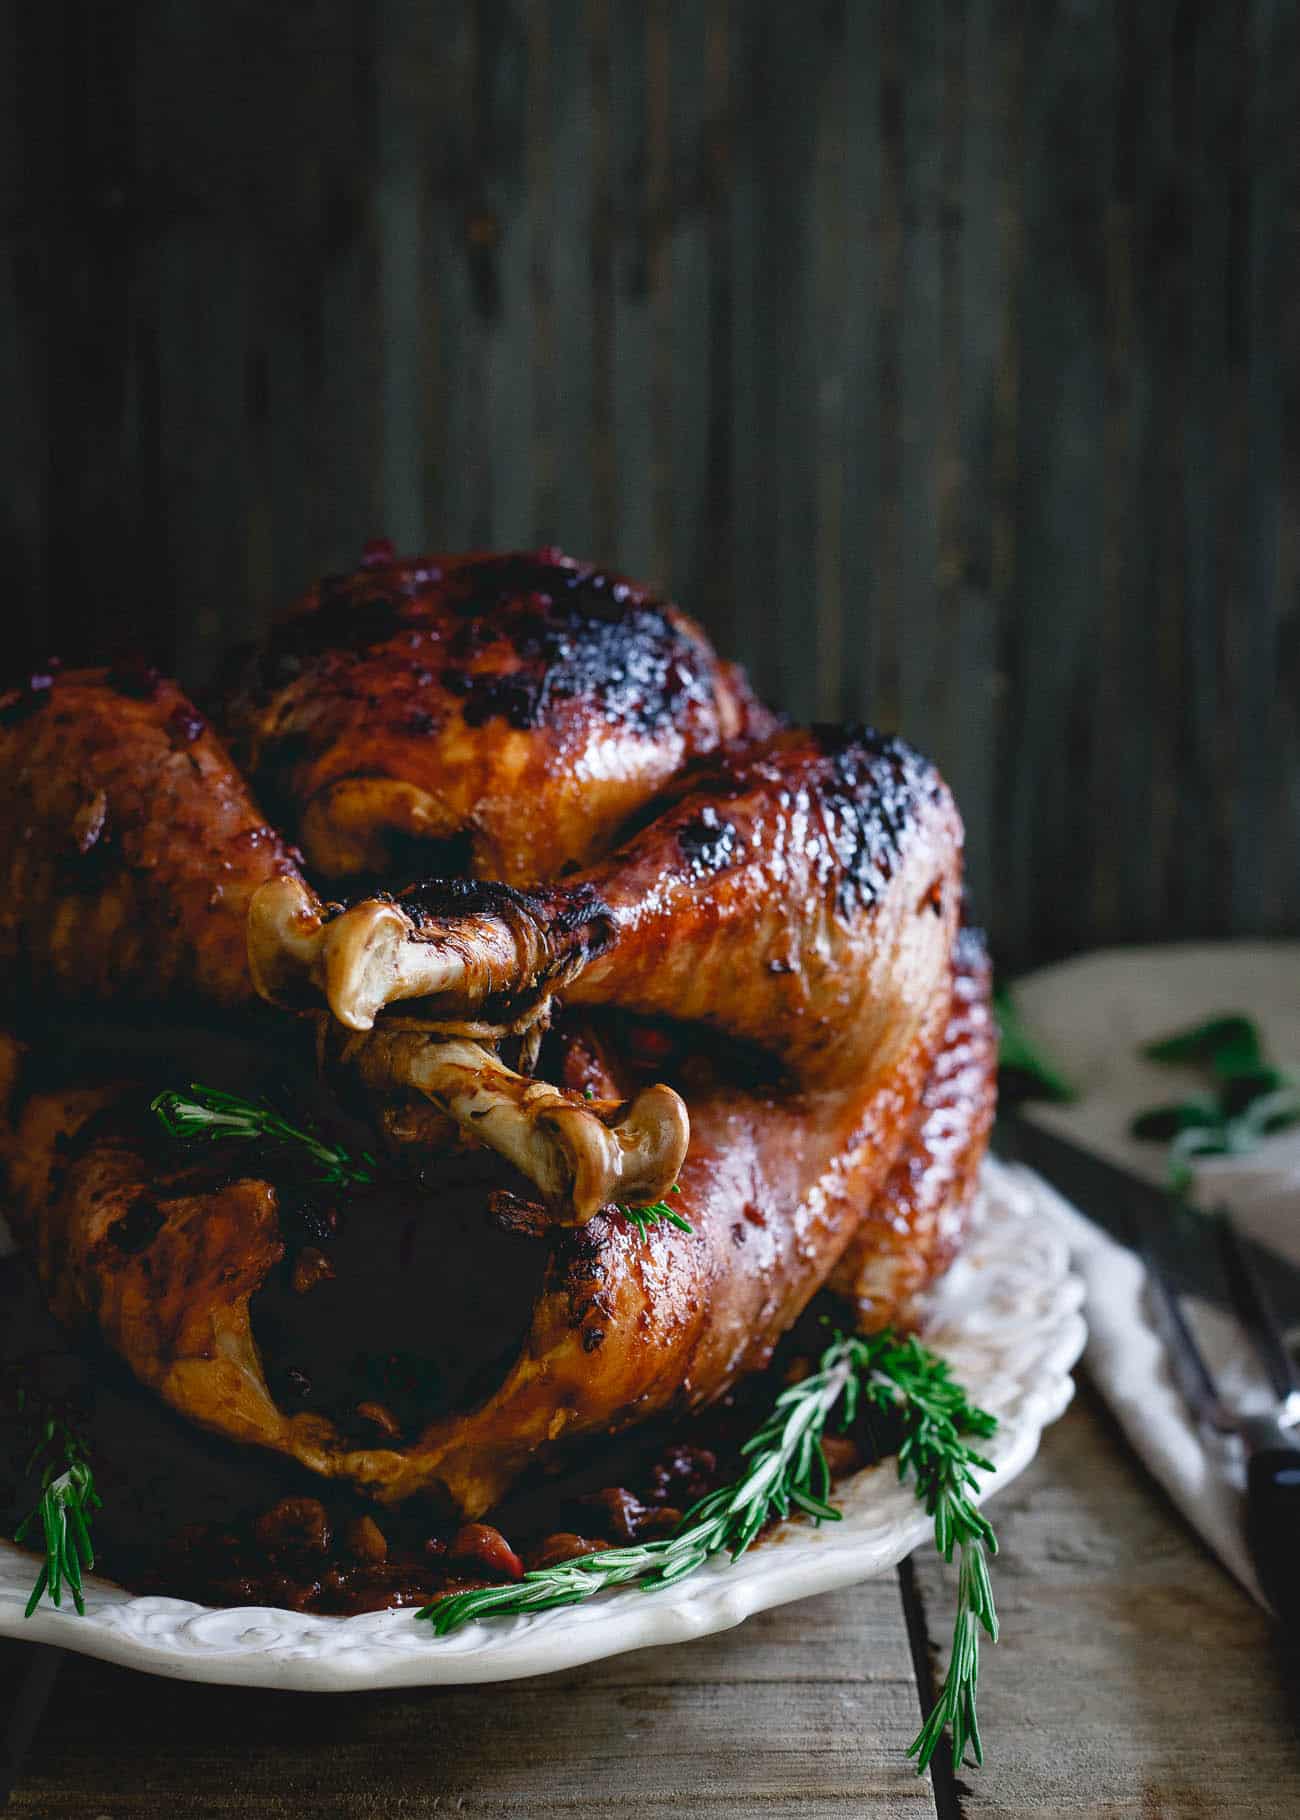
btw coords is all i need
(1092, 1015)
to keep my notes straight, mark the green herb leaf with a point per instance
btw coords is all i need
(1241, 1091)
(1265, 1114)
(1161, 1124)
(1228, 1044)
(1210, 1140)
(62, 1516)
(643, 1218)
(1252, 1099)
(206, 1114)
(1024, 1072)
(787, 1471)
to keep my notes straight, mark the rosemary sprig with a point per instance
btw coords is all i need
(62, 1514)
(206, 1113)
(788, 1471)
(643, 1218)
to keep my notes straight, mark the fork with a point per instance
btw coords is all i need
(1272, 1515)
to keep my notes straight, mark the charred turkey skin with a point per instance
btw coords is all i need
(506, 713)
(545, 774)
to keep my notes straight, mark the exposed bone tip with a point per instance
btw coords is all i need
(655, 1135)
(632, 1160)
(359, 960)
(283, 935)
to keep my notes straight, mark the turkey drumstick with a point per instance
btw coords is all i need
(624, 1324)
(129, 845)
(509, 719)
(741, 906)
(582, 1154)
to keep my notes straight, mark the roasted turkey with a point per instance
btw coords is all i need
(609, 934)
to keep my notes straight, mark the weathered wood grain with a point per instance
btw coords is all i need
(795, 64)
(696, 96)
(980, 301)
(939, 356)
(1274, 41)
(802, 1714)
(567, 517)
(854, 101)
(1133, 1676)
(638, 175)
(1056, 686)
(926, 649)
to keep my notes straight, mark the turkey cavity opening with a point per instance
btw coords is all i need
(403, 1306)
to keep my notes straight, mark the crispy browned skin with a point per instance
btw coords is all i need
(793, 893)
(915, 1225)
(130, 848)
(797, 896)
(742, 906)
(162, 1268)
(522, 706)
(129, 845)
(748, 904)
(867, 842)
(774, 1183)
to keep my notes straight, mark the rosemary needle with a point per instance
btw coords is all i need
(209, 1114)
(787, 1471)
(643, 1218)
(206, 1113)
(67, 1502)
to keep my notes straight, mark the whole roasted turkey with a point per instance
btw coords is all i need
(571, 924)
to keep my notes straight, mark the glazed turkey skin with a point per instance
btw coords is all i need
(624, 1326)
(130, 847)
(915, 1226)
(547, 807)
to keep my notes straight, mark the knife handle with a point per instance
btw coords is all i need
(1273, 1515)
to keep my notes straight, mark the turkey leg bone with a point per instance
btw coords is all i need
(740, 907)
(581, 1154)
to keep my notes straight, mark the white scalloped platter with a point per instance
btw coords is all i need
(1008, 1318)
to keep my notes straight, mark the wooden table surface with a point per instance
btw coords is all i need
(1133, 1679)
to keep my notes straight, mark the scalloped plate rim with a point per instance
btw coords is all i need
(263, 1647)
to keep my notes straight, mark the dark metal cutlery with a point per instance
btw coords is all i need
(1254, 1307)
(1272, 1516)
(1142, 1216)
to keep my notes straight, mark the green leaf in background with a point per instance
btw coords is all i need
(1228, 1044)
(1024, 1072)
(1269, 1113)
(1251, 1099)
(1240, 1091)
(1162, 1124)
(1194, 1141)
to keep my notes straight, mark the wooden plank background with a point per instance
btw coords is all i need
(944, 357)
